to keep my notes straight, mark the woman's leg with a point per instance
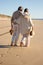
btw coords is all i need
(28, 41)
(23, 41)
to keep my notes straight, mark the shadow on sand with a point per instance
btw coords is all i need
(5, 46)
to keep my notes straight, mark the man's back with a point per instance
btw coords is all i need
(16, 15)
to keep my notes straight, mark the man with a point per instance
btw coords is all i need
(14, 25)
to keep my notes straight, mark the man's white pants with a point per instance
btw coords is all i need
(15, 34)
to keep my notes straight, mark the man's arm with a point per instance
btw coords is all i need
(12, 22)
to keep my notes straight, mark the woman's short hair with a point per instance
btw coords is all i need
(26, 10)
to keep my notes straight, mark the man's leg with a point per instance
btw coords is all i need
(17, 34)
(16, 38)
(13, 39)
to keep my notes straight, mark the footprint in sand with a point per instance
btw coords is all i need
(2, 55)
(8, 51)
(1, 62)
(17, 55)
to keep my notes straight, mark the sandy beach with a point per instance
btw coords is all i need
(32, 55)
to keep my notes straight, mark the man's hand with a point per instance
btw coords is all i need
(11, 31)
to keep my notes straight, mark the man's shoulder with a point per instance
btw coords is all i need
(15, 12)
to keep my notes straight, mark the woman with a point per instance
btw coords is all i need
(26, 36)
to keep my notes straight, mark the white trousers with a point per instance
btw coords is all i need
(26, 40)
(15, 34)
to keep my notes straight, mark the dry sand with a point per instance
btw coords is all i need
(32, 55)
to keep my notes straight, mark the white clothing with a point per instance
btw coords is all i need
(26, 38)
(15, 34)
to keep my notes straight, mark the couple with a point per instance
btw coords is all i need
(21, 23)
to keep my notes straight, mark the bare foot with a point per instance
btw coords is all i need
(21, 44)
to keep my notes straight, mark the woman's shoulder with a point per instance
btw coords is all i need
(27, 16)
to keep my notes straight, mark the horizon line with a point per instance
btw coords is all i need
(31, 18)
